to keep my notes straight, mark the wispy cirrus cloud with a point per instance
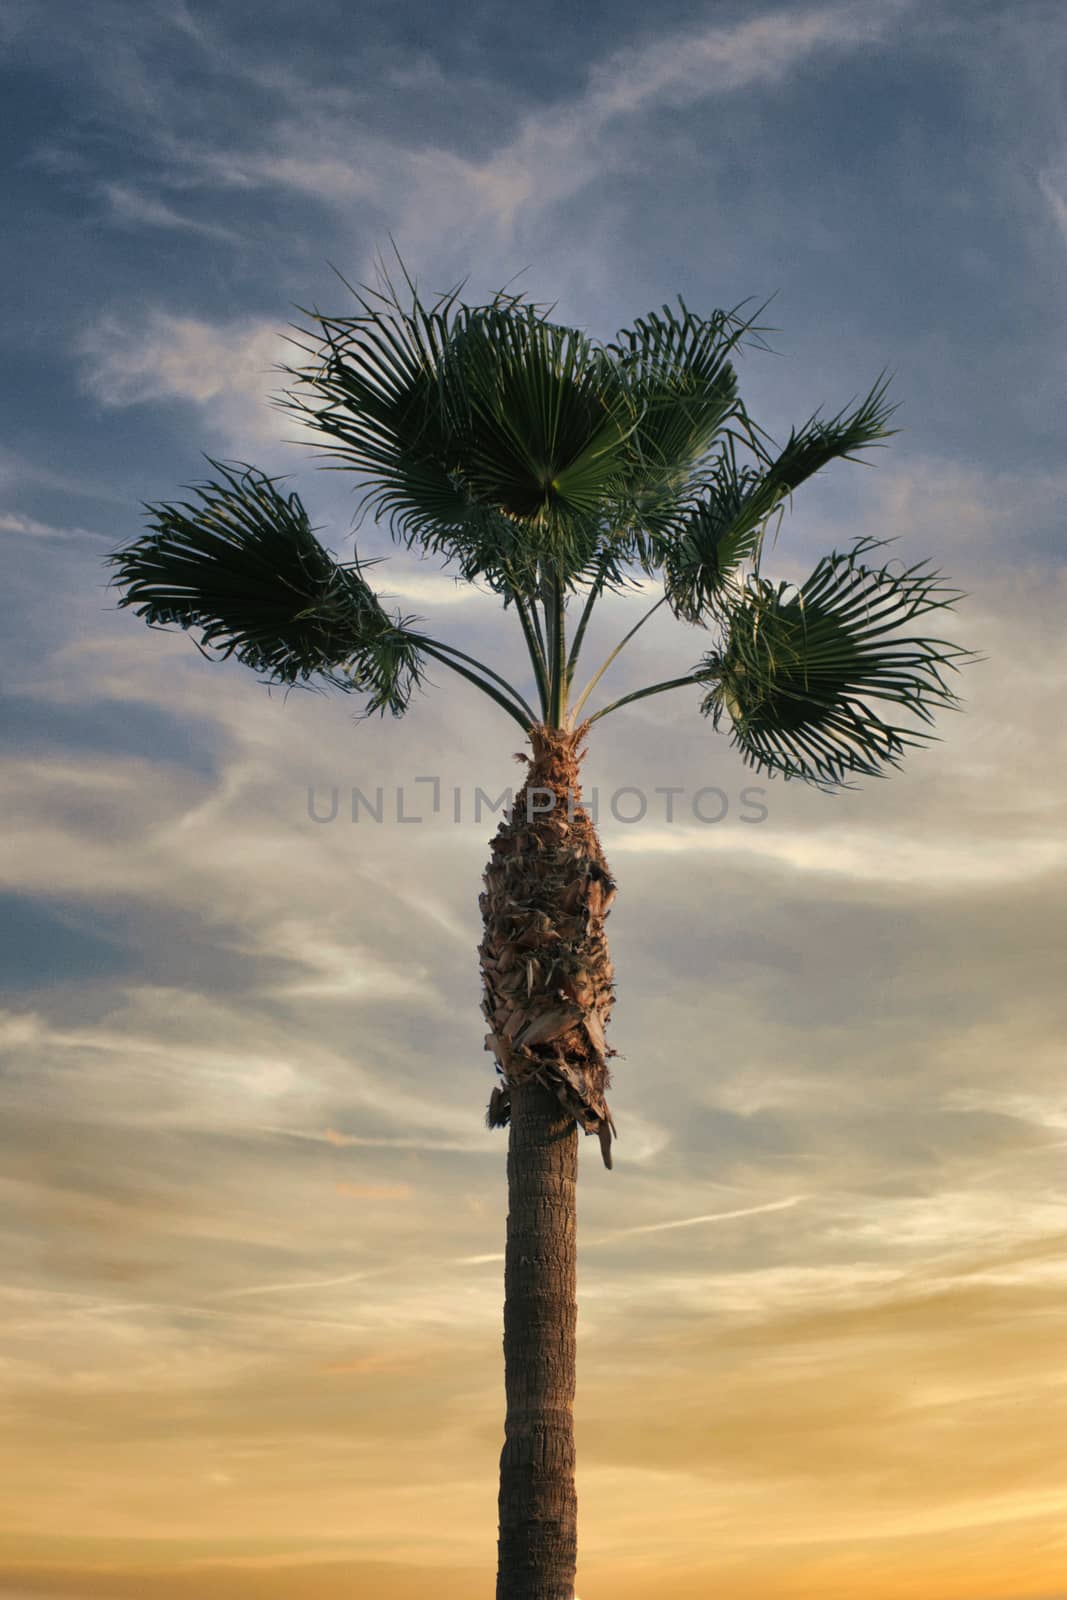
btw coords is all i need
(130, 206)
(420, 186)
(13, 522)
(423, 184)
(556, 151)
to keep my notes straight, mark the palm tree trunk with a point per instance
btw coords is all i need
(548, 995)
(538, 1544)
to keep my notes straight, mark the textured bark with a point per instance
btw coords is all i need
(538, 1544)
(545, 963)
(548, 994)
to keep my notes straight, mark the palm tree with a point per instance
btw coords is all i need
(551, 469)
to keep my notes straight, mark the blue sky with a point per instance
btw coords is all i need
(253, 1216)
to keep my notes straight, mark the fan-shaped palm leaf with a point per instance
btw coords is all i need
(377, 386)
(486, 433)
(549, 418)
(802, 669)
(245, 569)
(684, 389)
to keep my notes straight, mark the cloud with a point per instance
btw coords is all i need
(129, 206)
(690, 65)
(322, 1575)
(1052, 191)
(233, 370)
(866, 855)
(333, 1137)
(711, 1216)
(161, 356)
(296, 1287)
(30, 527)
(557, 151)
(323, 143)
(400, 581)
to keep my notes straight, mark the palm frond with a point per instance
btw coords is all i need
(376, 386)
(820, 441)
(549, 419)
(715, 536)
(724, 524)
(803, 670)
(684, 387)
(483, 433)
(244, 569)
(542, 464)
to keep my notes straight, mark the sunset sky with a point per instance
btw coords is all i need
(251, 1219)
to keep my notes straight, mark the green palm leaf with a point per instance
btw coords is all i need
(540, 463)
(485, 433)
(244, 568)
(377, 386)
(702, 549)
(715, 536)
(837, 438)
(684, 389)
(802, 670)
(549, 419)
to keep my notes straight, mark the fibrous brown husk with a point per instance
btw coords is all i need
(545, 964)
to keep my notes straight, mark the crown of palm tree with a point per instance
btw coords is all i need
(551, 469)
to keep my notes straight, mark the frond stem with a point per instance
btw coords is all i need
(653, 688)
(623, 642)
(534, 645)
(515, 706)
(535, 622)
(558, 634)
(587, 611)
